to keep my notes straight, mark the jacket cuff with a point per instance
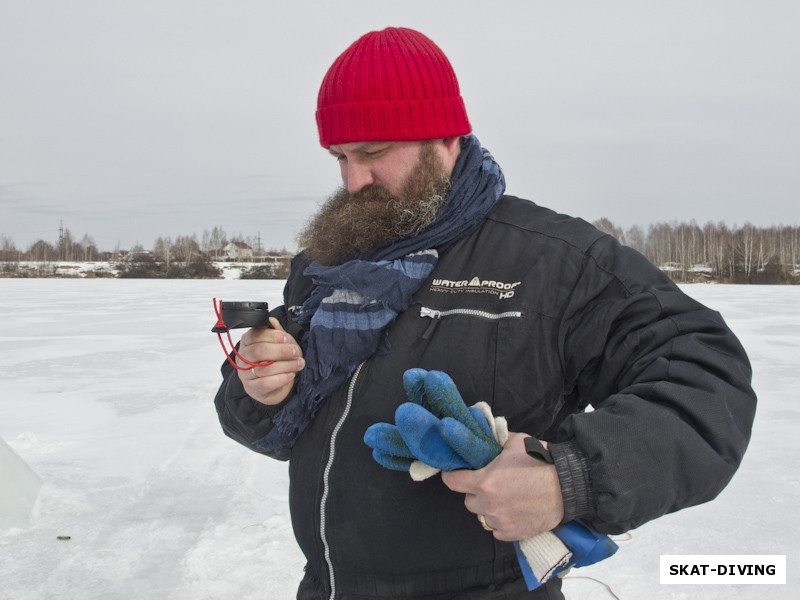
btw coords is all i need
(572, 467)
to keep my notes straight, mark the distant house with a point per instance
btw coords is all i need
(237, 251)
(133, 255)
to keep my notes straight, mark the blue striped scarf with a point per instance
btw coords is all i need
(353, 303)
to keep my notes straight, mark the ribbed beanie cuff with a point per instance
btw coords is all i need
(390, 85)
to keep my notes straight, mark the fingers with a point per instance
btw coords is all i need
(385, 438)
(476, 451)
(420, 431)
(463, 481)
(476, 499)
(479, 502)
(518, 495)
(444, 400)
(277, 367)
(414, 385)
(270, 383)
(391, 461)
(261, 344)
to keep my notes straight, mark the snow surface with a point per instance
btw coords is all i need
(106, 391)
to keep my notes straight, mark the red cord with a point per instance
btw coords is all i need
(221, 325)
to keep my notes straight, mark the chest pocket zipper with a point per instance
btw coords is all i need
(437, 315)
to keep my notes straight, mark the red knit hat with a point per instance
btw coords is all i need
(390, 85)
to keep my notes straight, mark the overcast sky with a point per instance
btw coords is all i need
(133, 119)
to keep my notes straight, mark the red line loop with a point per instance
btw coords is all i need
(221, 328)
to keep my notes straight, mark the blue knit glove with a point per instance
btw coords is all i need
(435, 428)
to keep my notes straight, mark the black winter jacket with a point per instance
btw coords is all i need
(544, 317)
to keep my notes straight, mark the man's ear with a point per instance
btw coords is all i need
(452, 148)
(453, 144)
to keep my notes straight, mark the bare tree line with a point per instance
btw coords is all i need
(66, 248)
(69, 248)
(688, 252)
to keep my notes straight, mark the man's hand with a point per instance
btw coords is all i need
(518, 496)
(273, 383)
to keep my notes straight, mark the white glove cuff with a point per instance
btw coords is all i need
(419, 471)
(498, 425)
(545, 553)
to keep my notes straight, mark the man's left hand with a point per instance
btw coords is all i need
(518, 496)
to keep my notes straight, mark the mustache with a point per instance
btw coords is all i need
(368, 195)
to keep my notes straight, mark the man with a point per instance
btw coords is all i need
(421, 261)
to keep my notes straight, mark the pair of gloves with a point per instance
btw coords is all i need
(436, 431)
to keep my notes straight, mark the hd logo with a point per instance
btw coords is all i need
(476, 285)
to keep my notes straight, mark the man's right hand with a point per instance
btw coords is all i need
(273, 383)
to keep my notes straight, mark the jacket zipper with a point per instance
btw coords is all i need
(436, 315)
(326, 477)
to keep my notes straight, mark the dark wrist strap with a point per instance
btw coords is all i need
(536, 449)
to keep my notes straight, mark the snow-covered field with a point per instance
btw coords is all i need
(106, 391)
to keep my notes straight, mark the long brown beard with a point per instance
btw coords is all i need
(348, 224)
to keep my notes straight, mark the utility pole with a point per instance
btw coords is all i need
(61, 240)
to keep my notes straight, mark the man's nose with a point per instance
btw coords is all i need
(357, 177)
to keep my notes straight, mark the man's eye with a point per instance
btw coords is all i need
(374, 153)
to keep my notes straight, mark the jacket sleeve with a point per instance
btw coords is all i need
(669, 387)
(244, 419)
